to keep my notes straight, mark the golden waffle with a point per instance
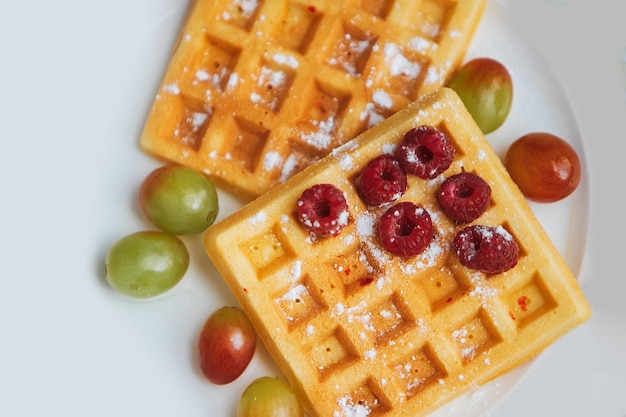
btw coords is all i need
(357, 331)
(257, 90)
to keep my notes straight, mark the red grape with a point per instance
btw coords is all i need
(226, 345)
(545, 167)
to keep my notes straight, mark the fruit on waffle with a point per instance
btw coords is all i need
(395, 307)
(257, 90)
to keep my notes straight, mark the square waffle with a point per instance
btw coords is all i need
(358, 331)
(257, 90)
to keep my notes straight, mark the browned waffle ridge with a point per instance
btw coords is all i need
(256, 90)
(424, 330)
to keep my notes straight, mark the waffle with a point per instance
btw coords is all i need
(357, 331)
(257, 90)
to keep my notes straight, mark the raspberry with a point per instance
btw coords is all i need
(425, 151)
(489, 249)
(464, 197)
(323, 210)
(382, 180)
(406, 229)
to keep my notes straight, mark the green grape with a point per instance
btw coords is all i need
(486, 88)
(269, 397)
(145, 264)
(178, 200)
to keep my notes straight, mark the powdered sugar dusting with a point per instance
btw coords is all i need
(289, 168)
(259, 217)
(296, 270)
(421, 45)
(233, 80)
(434, 75)
(245, 8)
(365, 225)
(171, 88)
(371, 115)
(202, 75)
(322, 138)
(350, 408)
(426, 259)
(349, 47)
(481, 289)
(344, 148)
(287, 60)
(399, 64)
(346, 163)
(272, 160)
(460, 336)
(294, 293)
(382, 98)
(389, 148)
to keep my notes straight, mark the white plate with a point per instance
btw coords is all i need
(75, 114)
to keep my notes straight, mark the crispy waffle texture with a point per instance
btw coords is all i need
(256, 90)
(360, 332)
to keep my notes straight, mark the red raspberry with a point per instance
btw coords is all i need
(489, 249)
(382, 180)
(425, 151)
(406, 229)
(464, 197)
(323, 210)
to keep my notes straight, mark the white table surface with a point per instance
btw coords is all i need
(57, 62)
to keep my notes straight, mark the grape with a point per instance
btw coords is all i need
(226, 345)
(145, 264)
(486, 88)
(178, 200)
(544, 166)
(269, 397)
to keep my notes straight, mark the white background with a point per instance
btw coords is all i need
(76, 80)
